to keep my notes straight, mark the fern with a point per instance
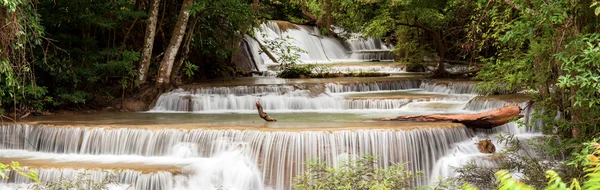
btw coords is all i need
(591, 161)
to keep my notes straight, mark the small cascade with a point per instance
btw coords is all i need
(278, 154)
(230, 168)
(370, 49)
(318, 48)
(280, 98)
(241, 90)
(450, 87)
(373, 86)
(355, 69)
(294, 101)
(467, 151)
(485, 105)
(136, 179)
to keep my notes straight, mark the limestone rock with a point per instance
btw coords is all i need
(486, 146)
(134, 106)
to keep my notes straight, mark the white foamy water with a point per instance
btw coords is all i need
(357, 69)
(277, 155)
(284, 98)
(319, 49)
(467, 151)
(253, 159)
(230, 169)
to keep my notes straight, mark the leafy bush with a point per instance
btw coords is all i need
(82, 181)
(415, 67)
(530, 162)
(16, 167)
(354, 174)
(588, 158)
(296, 71)
(288, 54)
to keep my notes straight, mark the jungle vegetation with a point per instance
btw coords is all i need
(86, 54)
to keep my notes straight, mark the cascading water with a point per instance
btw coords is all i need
(270, 158)
(319, 48)
(370, 49)
(467, 151)
(285, 98)
(357, 69)
(229, 154)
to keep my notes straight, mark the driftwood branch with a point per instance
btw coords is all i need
(484, 120)
(262, 114)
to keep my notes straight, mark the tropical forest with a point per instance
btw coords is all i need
(299, 94)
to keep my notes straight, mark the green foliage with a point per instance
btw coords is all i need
(580, 63)
(16, 167)
(416, 28)
(354, 174)
(589, 157)
(218, 25)
(189, 69)
(531, 162)
(82, 181)
(296, 71)
(20, 34)
(415, 67)
(287, 54)
(549, 47)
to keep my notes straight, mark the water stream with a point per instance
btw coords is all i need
(208, 135)
(244, 152)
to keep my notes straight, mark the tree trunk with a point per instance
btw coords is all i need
(245, 29)
(148, 42)
(575, 131)
(441, 48)
(186, 50)
(255, 5)
(484, 120)
(166, 65)
(328, 21)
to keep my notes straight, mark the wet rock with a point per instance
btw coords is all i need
(486, 146)
(134, 106)
(243, 60)
(110, 109)
(314, 89)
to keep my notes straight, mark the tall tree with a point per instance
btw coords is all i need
(166, 65)
(148, 42)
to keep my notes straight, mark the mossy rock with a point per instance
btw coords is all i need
(415, 67)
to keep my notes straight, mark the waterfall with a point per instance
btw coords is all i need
(467, 151)
(139, 180)
(295, 101)
(277, 154)
(372, 86)
(450, 87)
(290, 98)
(358, 69)
(318, 48)
(369, 49)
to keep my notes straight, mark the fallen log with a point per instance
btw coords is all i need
(484, 120)
(262, 114)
